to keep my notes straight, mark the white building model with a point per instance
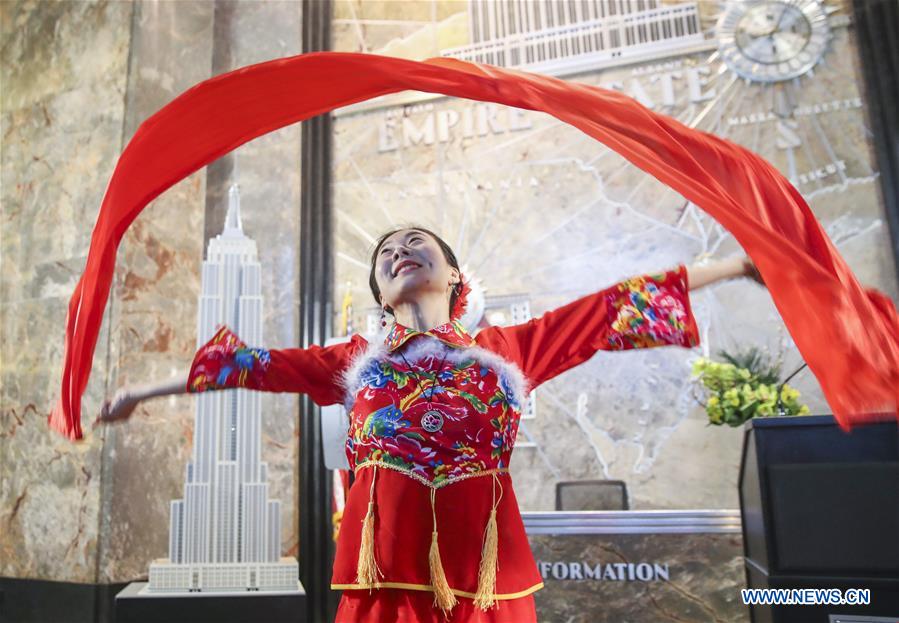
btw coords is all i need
(225, 535)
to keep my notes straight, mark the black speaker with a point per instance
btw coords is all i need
(832, 518)
(820, 509)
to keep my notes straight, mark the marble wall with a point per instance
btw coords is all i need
(64, 75)
(409, 29)
(78, 80)
(538, 210)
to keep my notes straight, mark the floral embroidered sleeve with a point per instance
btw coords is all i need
(226, 362)
(641, 312)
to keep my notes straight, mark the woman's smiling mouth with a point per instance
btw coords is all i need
(405, 267)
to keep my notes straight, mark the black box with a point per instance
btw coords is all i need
(820, 509)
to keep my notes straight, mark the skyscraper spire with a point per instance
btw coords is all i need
(233, 226)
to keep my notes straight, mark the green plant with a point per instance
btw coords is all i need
(743, 387)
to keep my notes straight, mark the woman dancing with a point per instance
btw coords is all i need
(431, 528)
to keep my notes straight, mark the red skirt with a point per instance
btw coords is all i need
(405, 606)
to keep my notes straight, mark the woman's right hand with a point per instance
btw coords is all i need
(750, 270)
(119, 407)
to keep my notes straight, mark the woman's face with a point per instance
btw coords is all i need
(410, 264)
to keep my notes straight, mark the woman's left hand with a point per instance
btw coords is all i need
(750, 270)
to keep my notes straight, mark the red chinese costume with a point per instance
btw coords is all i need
(433, 421)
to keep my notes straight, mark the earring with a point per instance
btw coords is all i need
(383, 317)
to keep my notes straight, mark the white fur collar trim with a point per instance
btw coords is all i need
(350, 378)
(428, 346)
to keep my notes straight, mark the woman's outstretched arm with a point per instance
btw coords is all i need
(644, 311)
(700, 275)
(123, 403)
(226, 362)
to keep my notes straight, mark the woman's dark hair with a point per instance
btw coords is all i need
(447, 253)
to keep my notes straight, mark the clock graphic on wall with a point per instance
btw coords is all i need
(541, 214)
(774, 40)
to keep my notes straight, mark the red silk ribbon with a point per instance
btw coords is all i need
(849, 336)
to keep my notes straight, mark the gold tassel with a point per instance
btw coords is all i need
(443, 595)
(485, 598)
(367, 569)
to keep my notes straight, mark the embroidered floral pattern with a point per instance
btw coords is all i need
(478, 418)
(452, 332)
(480, 412)
(225, 361)
(505, 424)
(650, 310)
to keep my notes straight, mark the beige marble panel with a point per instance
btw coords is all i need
(409, 29)
(154, 304)
(408, 10)
(63, 74)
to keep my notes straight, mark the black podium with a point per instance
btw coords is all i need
(134, 605)
(820, 509)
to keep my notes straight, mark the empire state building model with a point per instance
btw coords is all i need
(225, 534)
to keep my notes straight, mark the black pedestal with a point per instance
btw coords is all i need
(820, 509)
(132, 606)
